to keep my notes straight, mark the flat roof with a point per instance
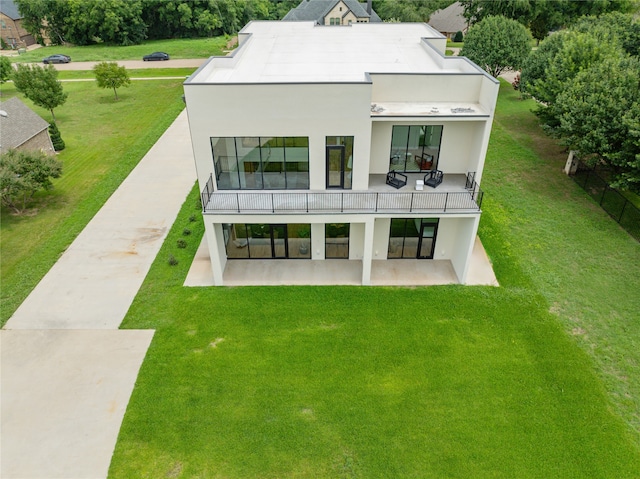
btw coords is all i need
(302, 52)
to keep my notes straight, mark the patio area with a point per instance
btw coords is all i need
(396, 272)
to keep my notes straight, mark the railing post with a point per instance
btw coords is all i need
(377, 194)
(446, 201)
(273, 204)
(411, 203)
(238, 201)
(306, 196)
(623, 208)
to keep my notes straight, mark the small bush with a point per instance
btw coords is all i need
(56, 139)
(192, 218)
(172, 260)
(186, 232)
(181, 243)
(458, 37)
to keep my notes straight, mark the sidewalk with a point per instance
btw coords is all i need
(67, 371)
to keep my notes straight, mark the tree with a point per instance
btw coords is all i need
(497, 44)
(110, 75)
(599, 115)
(577, 51)
(542, 16)
(408, 10)
(40, 85)
(56, 138)
(45, 18)
(5, 69)
(22, 173)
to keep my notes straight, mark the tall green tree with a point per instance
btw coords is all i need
(111, 75)
(599, 114)
(408, 10)
(543, 16)
(5, 69)
(22, 173)
(45, 19)
(40, 85)
(497, 44)
(571, 53)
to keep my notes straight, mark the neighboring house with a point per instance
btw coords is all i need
(11, 30)
(22, 129)
(296, 132)
(450, 20)
(332, 12)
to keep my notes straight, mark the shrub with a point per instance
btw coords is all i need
(181, 243)
(172, 260)
(56, 139)
(458, 37)
(186, 232)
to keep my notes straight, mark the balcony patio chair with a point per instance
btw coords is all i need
(433, 178)
(395, 179)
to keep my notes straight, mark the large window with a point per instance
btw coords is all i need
(336, 240)
(261, 163)
(267, 241)
(415, 147)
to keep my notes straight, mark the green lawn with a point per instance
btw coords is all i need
(538, 378)
(133, 73)
(181, 48)
(105, 140)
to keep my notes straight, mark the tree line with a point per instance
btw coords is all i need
(128, 22)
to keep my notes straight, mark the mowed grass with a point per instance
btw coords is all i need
(332, 382)
(105, 139)
(451, 381)
(564, 246)
(180, 48)
(132, 72)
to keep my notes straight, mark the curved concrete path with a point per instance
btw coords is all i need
(67, 371)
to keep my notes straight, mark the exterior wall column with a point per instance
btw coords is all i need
(468, 233)
(213, 232)
(367, 256)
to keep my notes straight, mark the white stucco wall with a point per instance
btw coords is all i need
(461, 148)
(312, 110)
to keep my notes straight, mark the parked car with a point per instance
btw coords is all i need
(156, 56)
(57, 58)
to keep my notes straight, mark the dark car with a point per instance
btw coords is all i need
(57, 59)
(156, 56)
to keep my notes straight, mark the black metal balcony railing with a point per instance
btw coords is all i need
(342, 201)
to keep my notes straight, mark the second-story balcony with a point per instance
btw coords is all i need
(456, 194)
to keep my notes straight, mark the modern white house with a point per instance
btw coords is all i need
(312, 143)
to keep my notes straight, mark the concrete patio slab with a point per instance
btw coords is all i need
(96, 279)
(64, 394)
(403, 272)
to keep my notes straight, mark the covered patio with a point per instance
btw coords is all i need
(395, 272)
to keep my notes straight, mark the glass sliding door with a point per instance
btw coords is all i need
(412, 238)
(415, 147)
(267, 241)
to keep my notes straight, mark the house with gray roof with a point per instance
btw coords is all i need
(332, 12)
(450, 20)
(22, 129)
(12, 32)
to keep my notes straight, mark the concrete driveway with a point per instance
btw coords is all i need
(67, 372)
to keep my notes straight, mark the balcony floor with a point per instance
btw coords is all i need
(400, 272)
